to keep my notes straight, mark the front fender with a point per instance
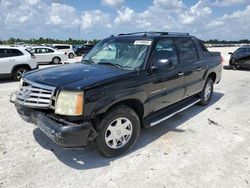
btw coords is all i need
(108, 101)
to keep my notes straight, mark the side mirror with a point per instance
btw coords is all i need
(162, 64)
(230, 53)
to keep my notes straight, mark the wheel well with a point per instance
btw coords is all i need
(212, 76)
(20, 66)
(135, 104)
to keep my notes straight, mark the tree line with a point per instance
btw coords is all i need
(216, 41)
(42, 40)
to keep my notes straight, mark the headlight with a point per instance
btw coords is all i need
(20, 83)
(69, 103)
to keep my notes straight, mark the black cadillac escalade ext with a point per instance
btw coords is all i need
(126, 82)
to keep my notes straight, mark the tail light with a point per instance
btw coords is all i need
(33, 56)
(221, 59)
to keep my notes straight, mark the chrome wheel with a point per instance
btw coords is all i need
(20, 73)
(208, 91)
(118, 133)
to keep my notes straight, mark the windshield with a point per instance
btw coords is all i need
(241, 51)
(124, 53)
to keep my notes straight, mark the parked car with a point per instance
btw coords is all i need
(46, 54)
(240, 58)
(15, 61)
(66, 48)
(84, 49)
(125, 83)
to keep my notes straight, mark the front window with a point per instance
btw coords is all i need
(127, 53)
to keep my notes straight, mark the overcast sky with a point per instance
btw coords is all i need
(88, 19)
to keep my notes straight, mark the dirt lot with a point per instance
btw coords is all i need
(201, 147)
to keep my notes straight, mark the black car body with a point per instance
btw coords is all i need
(84, 49)
(240, 58)
(173, 74)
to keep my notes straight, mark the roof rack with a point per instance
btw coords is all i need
(155, 33)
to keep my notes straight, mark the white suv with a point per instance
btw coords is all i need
(15, 61)
(66, 48)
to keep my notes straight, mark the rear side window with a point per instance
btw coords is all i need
(186, 50)
(203, 49)
(62, 47)
(10, 53)
(15, 52)
(87, 46)
(49, 50)
(4, 53)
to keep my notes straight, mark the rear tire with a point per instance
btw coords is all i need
(56, 60)
(207, 92)
(235, 67)
(18, 73)
(118, 131)
(71, 56)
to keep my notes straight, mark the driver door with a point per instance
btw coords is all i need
(167, 85)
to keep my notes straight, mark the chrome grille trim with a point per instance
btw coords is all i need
(35, 95)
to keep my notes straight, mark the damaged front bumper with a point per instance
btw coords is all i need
(63, 133)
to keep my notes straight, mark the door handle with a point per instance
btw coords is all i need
(180, 74)
(199, 69)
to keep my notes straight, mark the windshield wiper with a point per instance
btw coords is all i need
(112, 64)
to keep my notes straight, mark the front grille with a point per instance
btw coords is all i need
(35, 95)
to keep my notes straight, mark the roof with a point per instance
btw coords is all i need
(152, 35)
(41, 47)
(61, 45)
(12, 47)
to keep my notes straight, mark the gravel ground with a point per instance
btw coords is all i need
(200, 147)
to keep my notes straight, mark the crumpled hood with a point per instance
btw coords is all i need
(74, 76)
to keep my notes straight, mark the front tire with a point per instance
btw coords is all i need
(19, 72)
(233, 65)
(207, 92)
(118, 131)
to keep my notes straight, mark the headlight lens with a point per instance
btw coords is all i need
(69, 103)
(20, 83)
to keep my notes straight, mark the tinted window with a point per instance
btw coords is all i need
(62, 47)
(203, 47)
(15, 52)
(49, 50)
(165, 50)
(88, 46)
(186, 50)
(241, 51)
(4, 53)
(10, 53)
